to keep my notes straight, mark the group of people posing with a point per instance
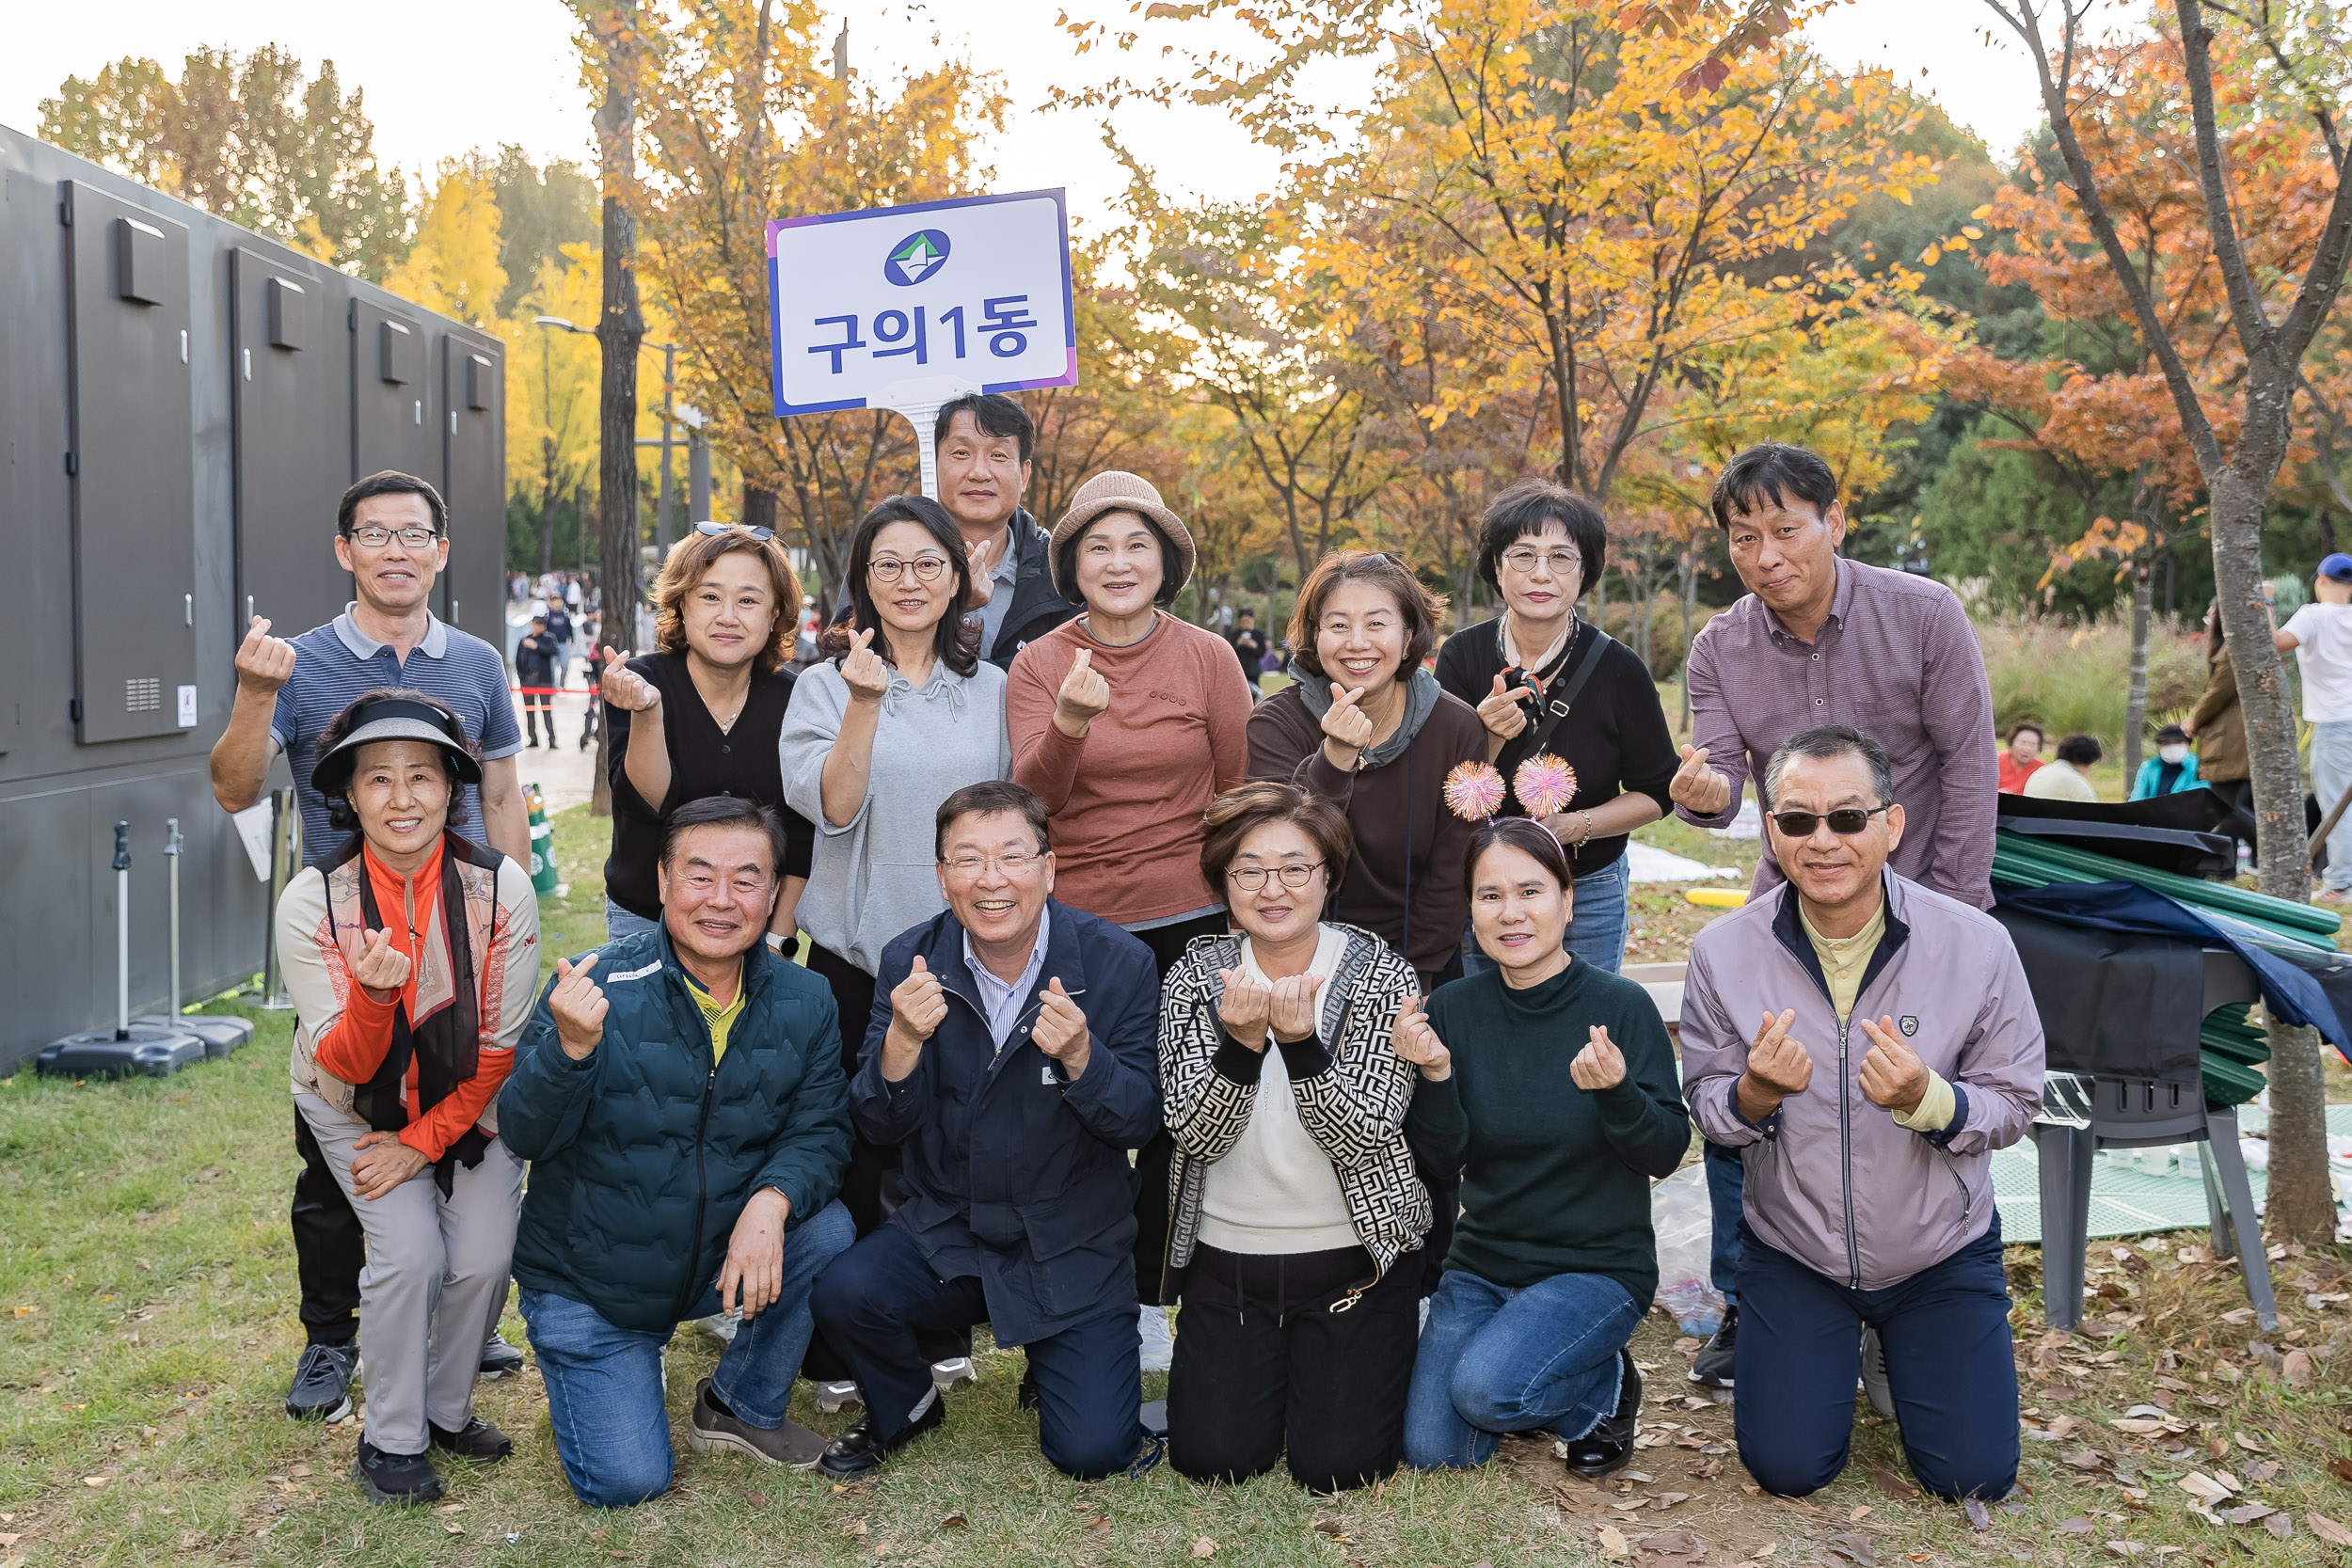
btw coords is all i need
(1122, 992)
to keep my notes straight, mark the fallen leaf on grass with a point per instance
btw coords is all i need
(2318, 1524)
(7, 1541)
(1680, 1543)
(1668, 1500)
(93, 1481)
(757, 1499)
(2248, 1444)
(2082, 1459)
(2078, 1525)
(2261, 1473)
(1203, 1546)
(2297, 1366)
(2247, 1514)
(1860, 1510)
(1978, 1518)
(453, 1527)
(954, 1521)
(1335, 1529)
(1103, 1521)
(2280, 1525)
(857, 1527)
(1613, 1543)
(2341, 1469)
(2203, 1487)
(1854, 1548)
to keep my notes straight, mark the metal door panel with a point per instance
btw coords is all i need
(293, 440)
(132, 455)
(474, 427)
(393, 417)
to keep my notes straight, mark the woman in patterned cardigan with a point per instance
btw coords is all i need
(1296, 1217)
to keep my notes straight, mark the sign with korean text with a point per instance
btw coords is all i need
(905, 306)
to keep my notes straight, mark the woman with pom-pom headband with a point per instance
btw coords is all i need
(1574, 727)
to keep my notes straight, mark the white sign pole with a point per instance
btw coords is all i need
(973, 296)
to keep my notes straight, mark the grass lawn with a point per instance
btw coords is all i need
(147, 1333)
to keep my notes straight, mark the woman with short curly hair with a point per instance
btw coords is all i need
(726, 610)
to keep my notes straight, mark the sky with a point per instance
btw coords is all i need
(428, 103)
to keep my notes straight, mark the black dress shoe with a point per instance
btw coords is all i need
(1608, 1446)
(1025, 1396)
(1711, 1366)
(395, 1478)
(476, 1440)
(498, 1359)
(857, 1452)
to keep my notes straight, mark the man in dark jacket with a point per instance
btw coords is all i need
(687, 1126)
(534, 666)
(1014, 1062)
(1248, 646)
(984, 440)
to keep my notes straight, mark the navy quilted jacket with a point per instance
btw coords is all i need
(642, 1156)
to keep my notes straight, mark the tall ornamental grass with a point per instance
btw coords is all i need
(2074, 675)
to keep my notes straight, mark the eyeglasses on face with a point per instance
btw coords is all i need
(1845, 822)
(1561, 562)
(1295, 876)
(927, 568)
(1012, 867)
(714, 529)
(375, 537)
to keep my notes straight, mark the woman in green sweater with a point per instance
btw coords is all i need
(1553, 1262)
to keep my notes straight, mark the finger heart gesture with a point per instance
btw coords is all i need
(624, 687)
(1411, 1038)
(1501, 711)
(577, 1006)
(1599, 1064)
(1061, 1029)
(381, 968)
(1083, 695)
(916, 1002)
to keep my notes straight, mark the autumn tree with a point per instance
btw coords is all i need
(452, 267)
(2262, 86)
(247, 139)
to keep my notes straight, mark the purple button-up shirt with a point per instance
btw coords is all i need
(1897, 661)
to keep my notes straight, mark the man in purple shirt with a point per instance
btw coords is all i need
(1819, 640)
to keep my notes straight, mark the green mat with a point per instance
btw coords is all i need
(2124, 1203)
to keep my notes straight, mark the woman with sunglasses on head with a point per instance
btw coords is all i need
(901, 714)
(1540, 546)
(412, 956)
(704, 714)
(1297, 1215)
(1549, 1084)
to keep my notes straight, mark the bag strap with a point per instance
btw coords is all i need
(1556, 706)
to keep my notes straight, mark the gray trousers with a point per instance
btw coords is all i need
(2331, 774)
(434, 1282)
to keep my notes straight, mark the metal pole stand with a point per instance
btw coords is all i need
(285, 854)
(150, 1046)
(220, 1033)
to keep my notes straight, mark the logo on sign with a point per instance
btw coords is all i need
(916, 257)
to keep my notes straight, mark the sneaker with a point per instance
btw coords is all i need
(839, 1396)
(952, 1371)
(395, 1478)
(857, 1452)
(498, 1359)
(714, 1428)
(322, 1383)
(1147, 1457)
(1711, 1366)
(1159, 1340)
(1608, 1446)
(477, 1440)
(1874, 1372)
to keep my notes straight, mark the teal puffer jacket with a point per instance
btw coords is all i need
(642, 1156)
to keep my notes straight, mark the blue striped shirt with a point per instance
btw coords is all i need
(338, 663)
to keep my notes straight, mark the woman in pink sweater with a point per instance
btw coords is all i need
(1127, 722)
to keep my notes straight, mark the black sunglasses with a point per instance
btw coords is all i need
(714, 529)
(1845, 821)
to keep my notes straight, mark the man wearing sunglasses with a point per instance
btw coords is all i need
(1821, 639)
(391, 535)
(1865, 1043)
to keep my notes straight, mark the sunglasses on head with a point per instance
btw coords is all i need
(714, 529)
(1845, 821)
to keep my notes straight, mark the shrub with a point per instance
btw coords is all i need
(2074, 675)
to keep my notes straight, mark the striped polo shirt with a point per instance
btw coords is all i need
(338, 663)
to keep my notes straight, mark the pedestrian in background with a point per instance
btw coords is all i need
(1250, 647)
(2321, 635)
(2068, 778)
(560, 628)
(2022, 757)
(2171, 770)
(2217, 725)
(535, 672)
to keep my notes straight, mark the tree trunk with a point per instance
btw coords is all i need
(1690, 598)
(620, 328)
(2147, 512)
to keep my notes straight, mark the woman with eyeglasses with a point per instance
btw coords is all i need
(901, 714)
(1298, 1218)
(704, 714)
(1540, 546)
(1549, 1083)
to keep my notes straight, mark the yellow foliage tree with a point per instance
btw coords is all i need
(453, 265)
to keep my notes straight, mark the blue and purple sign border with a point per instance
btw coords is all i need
(776, 321)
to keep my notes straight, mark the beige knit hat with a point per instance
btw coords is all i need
(1115, 491)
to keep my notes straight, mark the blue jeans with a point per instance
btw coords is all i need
(1597, 921)
(1727, 1190)
(1950, 1363)
(2331, 774)
(604, 1384)
(1495, 1359)
(619, 923)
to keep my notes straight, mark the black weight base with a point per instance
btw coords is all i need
(220, 1032)
(153, 1049)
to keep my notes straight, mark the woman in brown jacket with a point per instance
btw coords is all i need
(2217, 725)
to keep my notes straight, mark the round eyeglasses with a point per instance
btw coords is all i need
(1252, 878)
(889, 569)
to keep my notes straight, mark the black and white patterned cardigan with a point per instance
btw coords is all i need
(1352, 1089)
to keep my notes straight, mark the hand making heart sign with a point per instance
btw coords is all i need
(1083, 696)
(1346, 728)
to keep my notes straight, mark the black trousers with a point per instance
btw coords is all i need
(329, 1247)
(870, 1187)
(1264, 1365)
(1168, 944)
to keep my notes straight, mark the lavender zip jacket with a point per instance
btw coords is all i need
(1831, 1179)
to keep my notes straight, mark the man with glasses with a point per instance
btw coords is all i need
(1897, 1048)
(1014, 1059)
(984, 440)
(1821, 639)
(391, 535)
